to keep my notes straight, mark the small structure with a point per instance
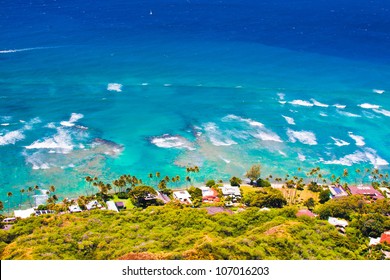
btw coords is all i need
(111, 206)
(374, 241)
(163, 197)
(385, 237)
(94, 204)
(42, 212)
(183, 196)
(305, 212)
(265, 209)
(119, 205)
(367, 191)
(209, 194)
(24, 213)
(74, 208)
(337, 191)
(338, 223)
(229, 191)
(215, 210)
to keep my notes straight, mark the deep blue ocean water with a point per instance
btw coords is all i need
(111, 87)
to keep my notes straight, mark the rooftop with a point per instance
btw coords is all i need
(365, 190)
(305, 212)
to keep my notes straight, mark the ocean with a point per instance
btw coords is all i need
(105, 88)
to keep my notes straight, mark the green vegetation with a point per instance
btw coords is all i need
(127, 202)
(178, 232)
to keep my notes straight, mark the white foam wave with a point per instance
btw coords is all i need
(168, 141)
(25, 49)
(382, 111)
(216, 137)
(367, 155)
(301, 157)
(73, 118)
(300, 102)
(339, 106)
(61, 142)
(282, 153)
(11, 137)
(281, 95)
(322, 114)
(339, 142)
(348, 114)
(368, 106)
(319, 104)
(378, 91)
(282, 102)
(289, 120)
(224, 159)
(4, 124)
(305, 137)
(358, 139)
(114, 87)
(258, 130)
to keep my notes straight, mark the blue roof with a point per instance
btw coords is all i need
(338, 190)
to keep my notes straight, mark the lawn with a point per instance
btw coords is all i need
(300, 196)
(127, 202)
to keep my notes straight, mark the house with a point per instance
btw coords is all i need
(374, 241)
(111, 206)
(229, 191)
(367, 191)
(182, 196)
(338, 223)
(385, 237)
(75, 208)
(305, 212)
(94, 204)
(119, 205)
(24, 213)
(163, 197)
(209, 194)
(337, 191)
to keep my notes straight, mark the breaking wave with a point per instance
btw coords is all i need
(305, 137)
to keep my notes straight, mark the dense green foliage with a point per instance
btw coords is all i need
(177, 232)
(265, 197)
(235, 181)
(263, 183)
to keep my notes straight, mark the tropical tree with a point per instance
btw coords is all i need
(310, 203)
(235, 181)
(9, 195)
(254, 173)
(1, 205)
(21, 197)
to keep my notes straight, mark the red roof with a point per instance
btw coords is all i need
(385, 237)
(304, 212)
(365, 190)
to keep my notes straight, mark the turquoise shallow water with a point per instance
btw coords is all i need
(184, 99)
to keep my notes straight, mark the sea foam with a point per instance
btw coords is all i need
(366, 155)
(339, 142)
(339, 106)
(114, 87)
(11, 137)
(305, 137)
(61, 142)
(300, 102)
(378, 91)
(216, 137)
(168, 141)
(348, 114)
(368, 106)
(358, 139)
(73, 118)
(289, 120)
(382, 111)
(319, 104)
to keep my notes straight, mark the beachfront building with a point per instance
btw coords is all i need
(368, 191)
(24, 213)
(337, 191)
(230, 191)
(209, 194)
(94, 204)
(163, 197)
(182, 196)
(385, 237)
(74, 208)
(111, 206)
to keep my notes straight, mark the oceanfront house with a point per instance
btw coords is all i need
(111, 205)
(338, 223)
(233, 192)
(209, 194)
(367, 191)
(182, 196)
(74, 208)
(119, 205)
(163, 197)
(94, 204)
(24, 213)
(337, 191)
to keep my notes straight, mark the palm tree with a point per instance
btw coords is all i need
(150, 178)
(1, 206)
(9, 194)
(21, 197)
(52, 188)
(29, 190)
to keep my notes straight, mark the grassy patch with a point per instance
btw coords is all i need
(294, 196)
(127, 202)
(247, 189)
